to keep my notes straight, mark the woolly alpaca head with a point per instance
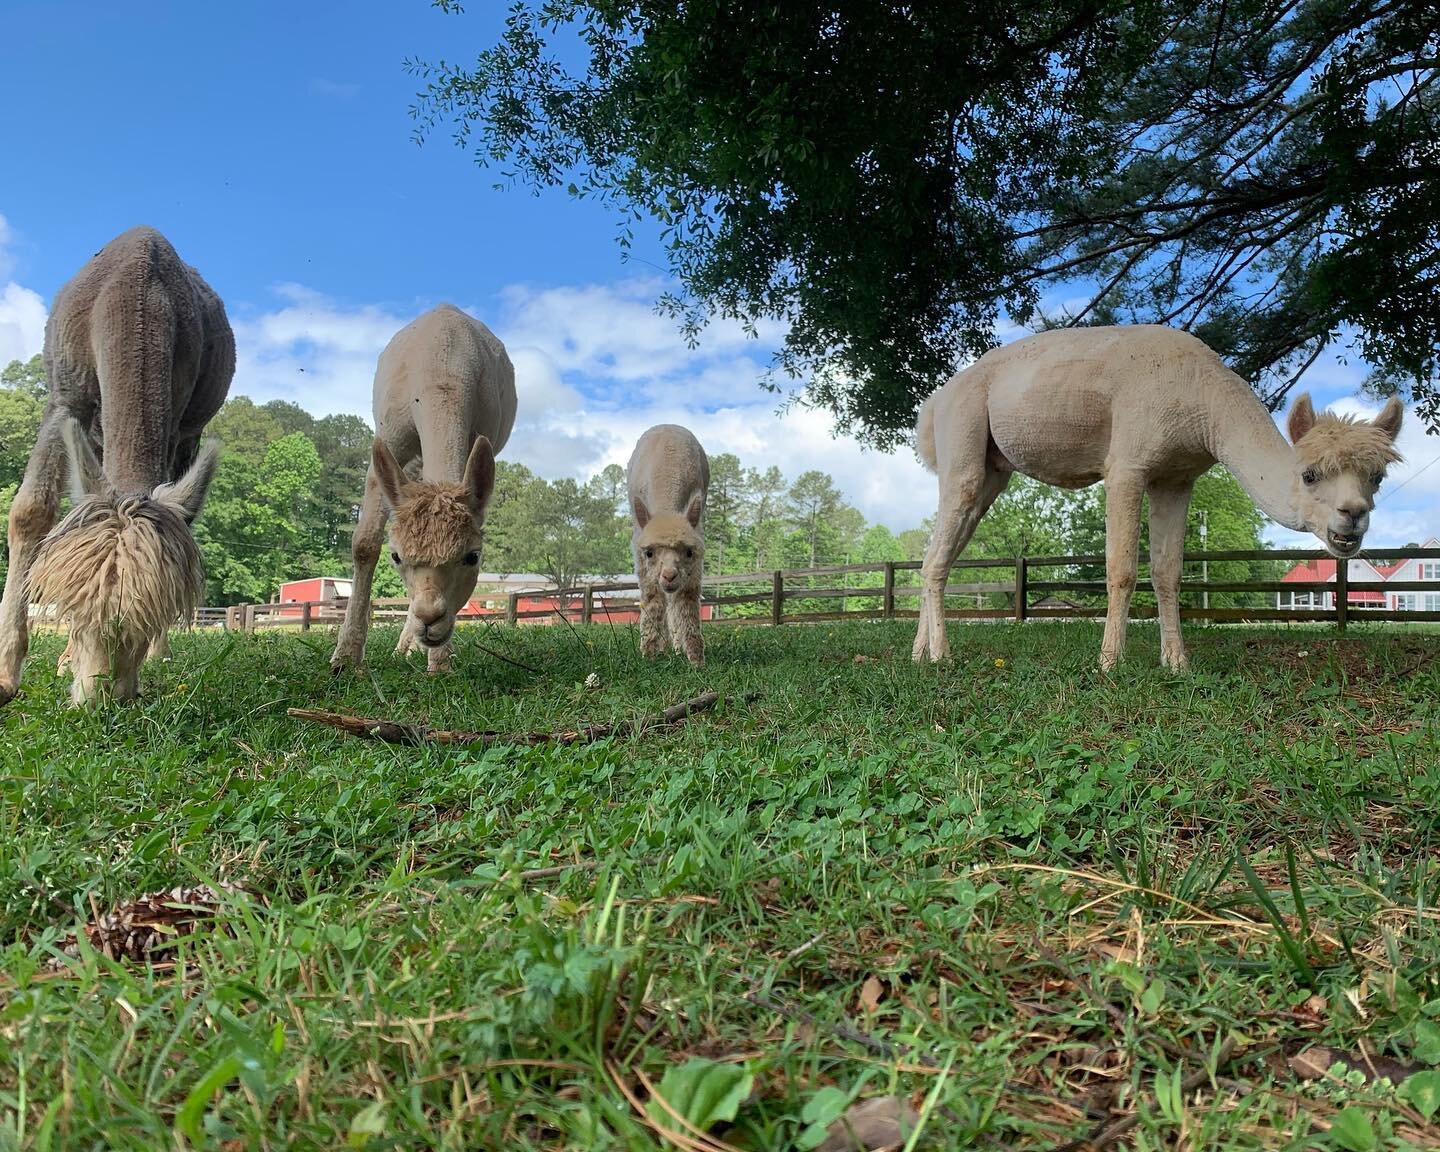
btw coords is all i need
(120, 568)
(1340, 462)
(670, 548)
(435, 537)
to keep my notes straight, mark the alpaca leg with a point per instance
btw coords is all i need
(160, 647)
(32, 515)
(964, 500)
(365, 548)
(682, 612)
(1123, 493)
(438, 659)
(1168, 507)
(654, 637)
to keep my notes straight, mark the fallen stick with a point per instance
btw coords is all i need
(392, 732)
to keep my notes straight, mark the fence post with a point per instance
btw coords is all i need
(777, 597)
(889, 601)
(587, 604)
(305, 616)
(1020, 592)
(1342, 592)
(248, 624)
(512, 608)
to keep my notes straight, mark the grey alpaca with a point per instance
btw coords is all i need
(139, 356)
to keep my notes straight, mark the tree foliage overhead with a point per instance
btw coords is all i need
(893, 180)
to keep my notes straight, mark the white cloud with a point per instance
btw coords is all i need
(22, 312)
(22, 323)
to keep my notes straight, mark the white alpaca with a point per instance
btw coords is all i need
(1147, 409)
(444, 405)
(669, 476)
(139, 355)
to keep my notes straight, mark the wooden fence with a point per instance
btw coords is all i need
(887, 591)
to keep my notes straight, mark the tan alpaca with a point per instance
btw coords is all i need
(669, 476)
(138, 355)
(1147, 409)
(444, 405)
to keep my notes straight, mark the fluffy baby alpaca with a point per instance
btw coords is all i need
(669, 477)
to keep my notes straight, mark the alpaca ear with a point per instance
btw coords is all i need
(387, 473)
(187, 494)
(1390, 417)
(642, 513)
(1302, 417)
(480, 475)
(694, 509)
(86, 476)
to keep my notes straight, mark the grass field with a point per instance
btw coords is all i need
(1031, 901)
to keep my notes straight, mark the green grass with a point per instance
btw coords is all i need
(1038, 898)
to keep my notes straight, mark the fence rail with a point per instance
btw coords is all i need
(784, 596)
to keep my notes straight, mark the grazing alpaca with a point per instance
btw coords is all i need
(139, 355)
(444, 405)
(1147, 409)
(669, 477)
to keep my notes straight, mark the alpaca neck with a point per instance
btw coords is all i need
(1244, 438)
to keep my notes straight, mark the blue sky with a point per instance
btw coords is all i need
(272, 144)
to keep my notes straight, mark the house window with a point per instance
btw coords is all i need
(1431, 601)
(1307, 600)
(1430, 570)
(1404, 601)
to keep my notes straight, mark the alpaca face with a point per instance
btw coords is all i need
(106, 666)
(1340, 464)
(670, 552)
(120, 569)
(435, 538)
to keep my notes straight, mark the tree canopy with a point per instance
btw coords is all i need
(892, 181)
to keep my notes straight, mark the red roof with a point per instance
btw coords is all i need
(1324, 569)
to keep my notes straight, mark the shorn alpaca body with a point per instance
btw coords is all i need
(139, 355)
(1147, 409)
(444, 405)
(669, 477)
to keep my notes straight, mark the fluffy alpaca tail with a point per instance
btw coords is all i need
(925, 433)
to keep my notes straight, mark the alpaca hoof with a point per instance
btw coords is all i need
(1107, 663)
(8, 693)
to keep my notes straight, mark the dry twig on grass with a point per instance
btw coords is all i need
(394, 732)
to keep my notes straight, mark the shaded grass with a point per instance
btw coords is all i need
(1070, 890)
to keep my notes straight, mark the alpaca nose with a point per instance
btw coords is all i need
(1353, 510)
(429, 614)
(668, 575)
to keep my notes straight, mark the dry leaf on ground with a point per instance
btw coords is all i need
(880, 1122)
(143, 929)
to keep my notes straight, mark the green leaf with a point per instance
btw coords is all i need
(1351, 1129)
(1427, 1041)
(1422, 1092)
(187, 1120)
(705, 1092)
(820, 1111)
(1153, 997)
(368, 1122)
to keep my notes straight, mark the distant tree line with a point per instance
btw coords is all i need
(287, 495)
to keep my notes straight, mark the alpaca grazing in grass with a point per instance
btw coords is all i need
(444, 405)
(669, 476)
(1148, 409)
(139, 356)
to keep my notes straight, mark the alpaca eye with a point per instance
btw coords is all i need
(689, 553)
(472, 558)
(1309, 476)
(395, 558)
(1377, 479)
(649, 553)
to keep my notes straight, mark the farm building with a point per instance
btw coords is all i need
(1320, 599)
